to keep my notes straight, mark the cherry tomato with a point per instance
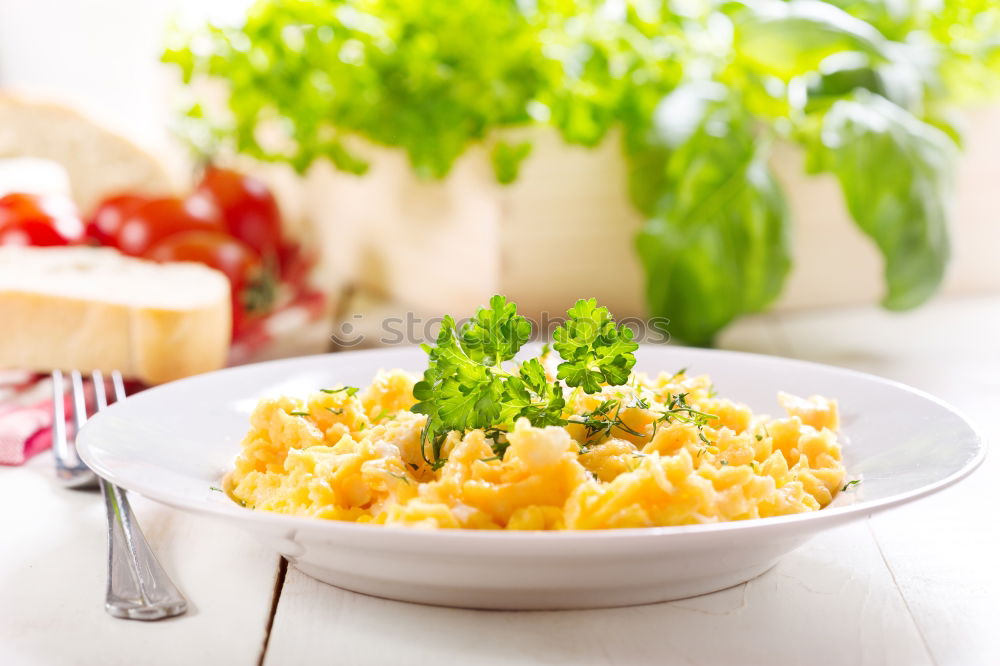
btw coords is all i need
(247, 207)
(249, 282)
(106, 222)
(296, 263)
(156, 219)
(32, 219)
(212, 248)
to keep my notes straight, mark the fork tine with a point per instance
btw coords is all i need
(119, 385)
(79, 401)
(100, 392)
(70, 470)
(60, 446)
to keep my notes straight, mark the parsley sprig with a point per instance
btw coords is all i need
(467, 385)
(593, 348)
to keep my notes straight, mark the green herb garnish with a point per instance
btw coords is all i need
(297, 413)
(603, 419)
(678, 410)
(850, 484)
(594, 349)
(467, 385)
(351, 390)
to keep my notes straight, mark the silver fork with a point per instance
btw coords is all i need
(138, 587)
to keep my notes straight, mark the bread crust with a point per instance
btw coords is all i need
(170, 344)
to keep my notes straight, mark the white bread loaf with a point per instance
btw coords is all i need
(93, 308)
(100, 163)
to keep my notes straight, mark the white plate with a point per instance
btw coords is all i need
(173, 444)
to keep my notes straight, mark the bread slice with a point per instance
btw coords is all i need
(100, 163)
(93, 308)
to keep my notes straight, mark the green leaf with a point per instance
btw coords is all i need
(507, 158)
(895, 172)
(594, 350)
(647, 180)
(348, 390)
(547, 408)
(717, 246)
(456, 392)
(839, 83)
(533, 373)
(789, 39)
(496, 333)
(342, 158)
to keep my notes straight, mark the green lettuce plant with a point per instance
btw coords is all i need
(700, 90)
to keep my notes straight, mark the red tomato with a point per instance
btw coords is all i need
(152, 221)
(251, 289)
(248, 208)
(106, 222)
(32, 219)
(212, 248)
(296, 263)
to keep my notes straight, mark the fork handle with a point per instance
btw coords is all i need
(138, 587)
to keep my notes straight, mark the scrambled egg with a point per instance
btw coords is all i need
(359, 458)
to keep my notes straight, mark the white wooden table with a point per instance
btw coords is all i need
(918, 585)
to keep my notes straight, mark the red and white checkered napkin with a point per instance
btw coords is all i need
(25, 415)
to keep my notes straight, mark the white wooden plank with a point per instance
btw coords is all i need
(52, 578)
(942, 551)
(831, 602)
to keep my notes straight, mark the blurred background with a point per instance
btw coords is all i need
(693, 160)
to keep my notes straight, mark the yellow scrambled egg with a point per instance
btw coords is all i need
(359, 458)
